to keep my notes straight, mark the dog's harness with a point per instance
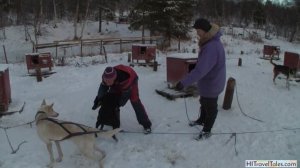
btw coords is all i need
(62, 125)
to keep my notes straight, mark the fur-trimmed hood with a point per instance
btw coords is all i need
(209, 35)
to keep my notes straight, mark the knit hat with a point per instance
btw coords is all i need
(202, 24)
(109, 73)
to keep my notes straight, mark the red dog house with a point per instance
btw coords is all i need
(179, 65)
(292, 60)
(39, 60)
(270, 51)
(5, 92)
(145, 52)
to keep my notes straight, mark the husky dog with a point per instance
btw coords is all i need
(280, 69)
(52, 130)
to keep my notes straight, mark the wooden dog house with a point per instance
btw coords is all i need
(270, 51)
(39, 60)
(5, 91)
(292, 60)
(145, 52)
(179, 65)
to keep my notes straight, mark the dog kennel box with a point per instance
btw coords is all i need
(179, 65)
(270, 51)
(145, 52)
(292, 60)
(5, 91)
(39, 60)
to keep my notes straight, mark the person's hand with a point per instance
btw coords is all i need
(94, 107)
(97, 103)
(179, 86)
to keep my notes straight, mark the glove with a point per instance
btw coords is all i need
(97, 103)
(179, 86)
(94, 107)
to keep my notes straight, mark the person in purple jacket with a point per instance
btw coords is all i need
(209, 73)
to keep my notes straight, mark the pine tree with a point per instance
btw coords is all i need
(168, 17)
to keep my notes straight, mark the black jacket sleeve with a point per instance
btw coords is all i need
(101, 92)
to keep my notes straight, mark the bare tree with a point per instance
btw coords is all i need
(39, 19)
(55, 14)
(85, 18)
(76, 19)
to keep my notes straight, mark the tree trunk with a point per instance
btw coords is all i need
(292, 36)
(39, 21)
(55, 14)
(100, 16)
(143, 28)
(85, 18)
(75, 20)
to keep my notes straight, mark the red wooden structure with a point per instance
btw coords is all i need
(178, 67)
(270, 51)
(39, 60)
(5, 91)
(292, 60)
(145, 52)
(123, 19)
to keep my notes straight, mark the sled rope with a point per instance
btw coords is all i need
(12, 112)
(13, 151)
(216, 133)
(7, 137)
(233, 134)
(187, 115)
(241, 110)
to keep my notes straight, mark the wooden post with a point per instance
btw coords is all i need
(38, 74)
(155, 66)
(5, 56)
(143, 40)
(179, 44)
(129, 57)
(120, 45)
(81, 43)
(105, 56)
(240, 62)
(229, 93)
(101, 44)
(56, 51)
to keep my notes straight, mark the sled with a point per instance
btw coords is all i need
(13, 110)
(45, 74)
(172, 94)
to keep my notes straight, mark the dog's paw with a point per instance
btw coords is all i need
(50, 165)
(103, 155)
(58, 159)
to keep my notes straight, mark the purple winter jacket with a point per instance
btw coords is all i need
(210, 69)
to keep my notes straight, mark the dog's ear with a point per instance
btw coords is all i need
(44, 102)
(51, 105)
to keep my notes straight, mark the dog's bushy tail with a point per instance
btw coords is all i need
(271, 61)
(109, 134)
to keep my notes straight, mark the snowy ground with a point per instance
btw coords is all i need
(72, 90)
